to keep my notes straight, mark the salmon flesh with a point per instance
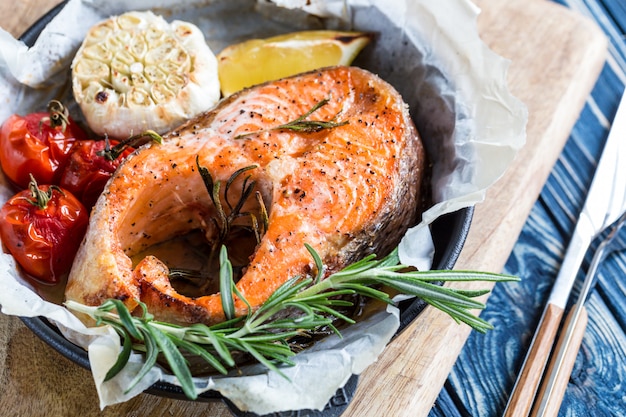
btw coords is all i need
(348, 191)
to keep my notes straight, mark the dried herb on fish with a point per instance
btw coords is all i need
(213, 188)
(225, 222)
(226, 215)
(302, 125)
(267, 335)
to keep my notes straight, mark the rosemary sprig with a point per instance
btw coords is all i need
(265, 334)
(111, 153)
(225, 220)
(300, 124)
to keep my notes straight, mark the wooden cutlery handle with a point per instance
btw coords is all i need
(561, 364)
(529, 378)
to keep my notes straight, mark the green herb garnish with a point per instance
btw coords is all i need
(302, 125)
(267, 335)
(225, 219)
(111, 153)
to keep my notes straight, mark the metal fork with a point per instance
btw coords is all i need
(553, 387)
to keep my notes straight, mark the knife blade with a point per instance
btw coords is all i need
(605, 197)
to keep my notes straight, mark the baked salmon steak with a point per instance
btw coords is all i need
(328, 158)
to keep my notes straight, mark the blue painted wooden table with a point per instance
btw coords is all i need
(484, 374)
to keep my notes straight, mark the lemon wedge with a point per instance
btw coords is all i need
(259, 60)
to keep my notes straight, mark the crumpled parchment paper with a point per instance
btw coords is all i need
(430, 51)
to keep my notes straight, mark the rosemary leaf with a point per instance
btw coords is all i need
(271, 337)
(433, 292)
(276, 353)
(152, 353)
(472, 293)
(368, 292)
(301, 125)
(126, 319)
(334, 313)
(326, 297)
(223, 326)
(198, 350)
(256, 228)
(224, 225)
(319, 264)
(213, 340)
(284, 292)
(223, 220)
(460, 276)
(226, 285)
(249, 348)
(112, 153)
(207, 179)
(462, 316)
(176, 361)
(311, 322)
(246, 189)
(124, 355)
(264, 214)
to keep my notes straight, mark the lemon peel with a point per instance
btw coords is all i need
(259, 60)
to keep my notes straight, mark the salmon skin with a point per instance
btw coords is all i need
(348, 191)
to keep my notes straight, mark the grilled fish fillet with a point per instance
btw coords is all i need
(347, 191)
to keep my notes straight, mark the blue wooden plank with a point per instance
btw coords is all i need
(615, 11)
(597, 385)
(612, 24)
(611, 284)
(484, 374)
(449, 405)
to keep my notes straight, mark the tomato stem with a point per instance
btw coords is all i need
(41, 197)
(59, 116)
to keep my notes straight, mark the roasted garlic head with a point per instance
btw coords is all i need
(136, 72)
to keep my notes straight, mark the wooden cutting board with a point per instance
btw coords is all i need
(556, 56)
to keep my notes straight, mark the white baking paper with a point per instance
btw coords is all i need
(430, 51)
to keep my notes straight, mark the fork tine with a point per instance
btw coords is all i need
(615, 243)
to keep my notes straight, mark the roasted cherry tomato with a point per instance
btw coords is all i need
(42, 228)
(38, 144)
(91, 164)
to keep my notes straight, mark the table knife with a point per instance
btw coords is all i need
(599, 210)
